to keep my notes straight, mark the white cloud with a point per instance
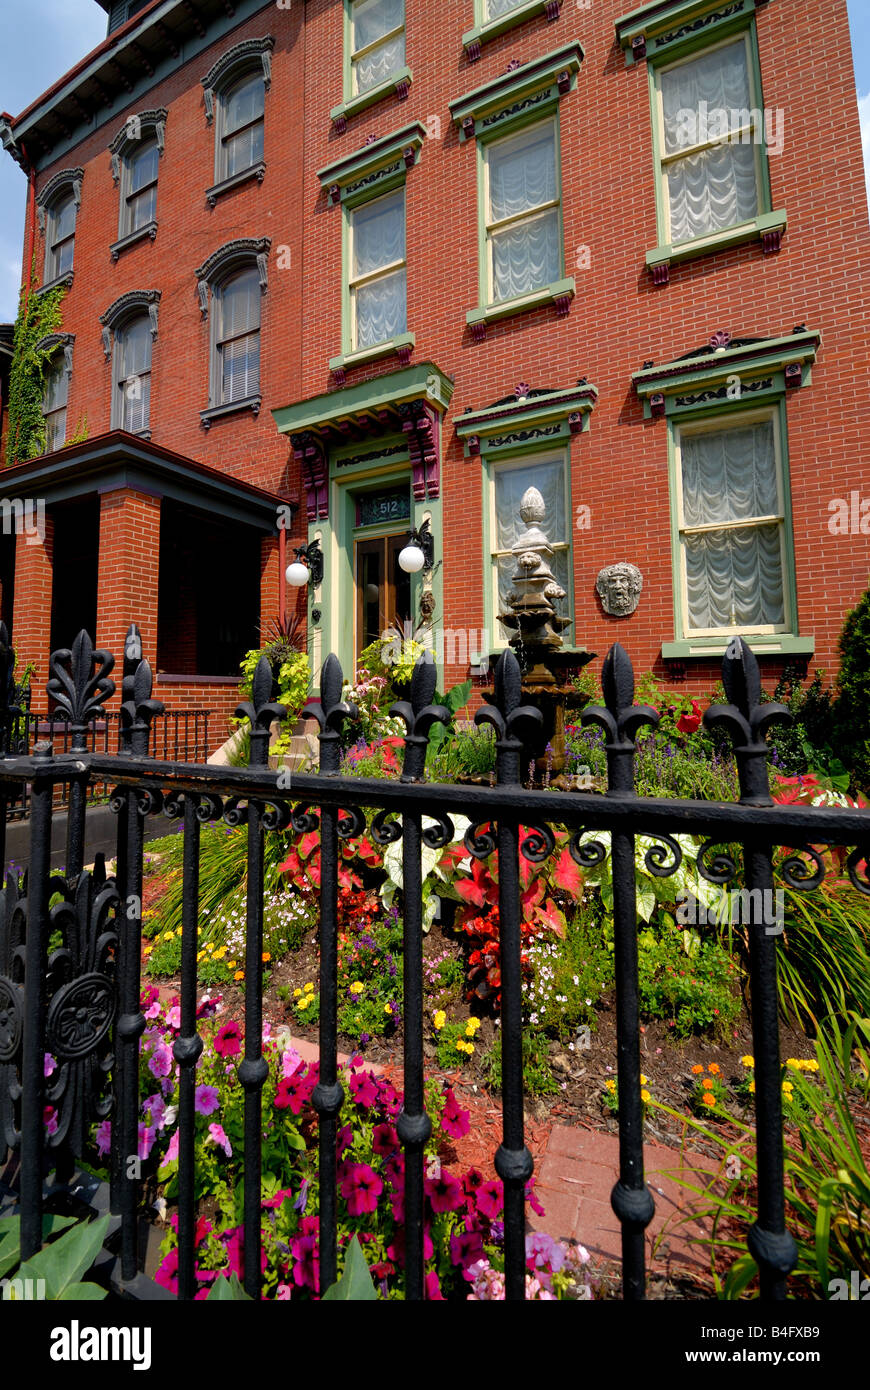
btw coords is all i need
(864, 115)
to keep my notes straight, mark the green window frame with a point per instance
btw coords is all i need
(526, 463)
(360, 280)
(496, 224)
(361, 46)
(766, 426)
(495, 17)
(672, 37)
(54, 402)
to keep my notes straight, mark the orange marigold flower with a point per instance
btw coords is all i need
(713, 1069)
(708, 1099)
(707, 1084)
(696, 1071)
(239, 975)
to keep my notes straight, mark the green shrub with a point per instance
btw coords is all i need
(692, 990)
(538, 1079)
(804, 745)
(568, 977)
(852, 710)
(824, 955)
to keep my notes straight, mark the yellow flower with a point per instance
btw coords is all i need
(472, 1026)
(794, 1063)
(231, 964)
(388, 1008)
(305, 1001)
(811, 1065)
(440, 1018)
(788, 1087)
(642, 1079)
(200, 954)
(220, 952)
(356, 988)
(239, 975)
(752, 1088)
(747, 1061)
(296, 993)
(645, 1095)
(611, 1085)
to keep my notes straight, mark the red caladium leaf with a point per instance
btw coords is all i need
(550, 916)
(567, 875)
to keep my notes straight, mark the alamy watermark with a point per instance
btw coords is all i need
(23, 517)
(741, 125)
(745, 906)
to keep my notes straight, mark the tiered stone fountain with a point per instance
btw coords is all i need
(531, 615)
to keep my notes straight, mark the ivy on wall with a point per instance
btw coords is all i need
(26, 436)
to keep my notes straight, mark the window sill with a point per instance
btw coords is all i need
(482, 33)
(402, 347)
(767, 228)
(399, 83)
(764, 644)
(66, 280)
(132, 238)
(217, 412)
(256, 171)
(559, 294)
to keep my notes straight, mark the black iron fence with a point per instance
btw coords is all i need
(176, 736)
(86, 1012)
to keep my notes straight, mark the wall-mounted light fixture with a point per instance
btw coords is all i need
(419, 552)
(307, 568)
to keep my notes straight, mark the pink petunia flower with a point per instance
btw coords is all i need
(217, 1135)
(228, 1042)
(206, 1100)
(361, 1189)
(160, 1061)
(104, 1137)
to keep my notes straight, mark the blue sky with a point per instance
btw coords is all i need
(43, 38)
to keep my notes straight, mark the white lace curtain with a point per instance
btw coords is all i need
(379, 241)
(495, 8)
(714, 188)
(733, 576)
(372, 19)
(133, 346)
(510, 484)
(522, 177)
(239, 347)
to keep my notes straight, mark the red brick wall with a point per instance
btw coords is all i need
(618, 319)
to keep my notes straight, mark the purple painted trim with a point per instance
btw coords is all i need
(569, 396)
(638, 47)
(339, 376)
(722, 338)
(657, 404)
(563, 81)
(468, 127)
(562, 305)
(575, 422)
(404, 353)
(340, 124)
(661, 274)
(402, 88)
(474, 444)
(409, 154)
(771, 241)
(793, 376)
(334, 193)
(472, 52)
(552, 10)
(478, 332)
(695, 364)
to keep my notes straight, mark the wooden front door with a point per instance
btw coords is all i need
(383, 589)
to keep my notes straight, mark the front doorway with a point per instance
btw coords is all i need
(382, 589)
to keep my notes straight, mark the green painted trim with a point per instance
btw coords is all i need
(353, 359)
(774, 642)
(486, 29)
(670, 26)
(349, 171)
(353, 105)
(487, 313)
(490, 425)
(769, 357)
(423, 379)
(493, 98)
(766, 220)
(776, 645)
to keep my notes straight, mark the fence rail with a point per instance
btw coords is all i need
(102, 928)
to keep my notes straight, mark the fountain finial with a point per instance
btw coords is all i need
(532, 506)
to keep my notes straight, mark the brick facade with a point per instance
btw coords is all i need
(618, 319)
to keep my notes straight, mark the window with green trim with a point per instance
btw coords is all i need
(60, 237)
(522, 199)
(711, 141)
(507, 482)
(494, 9)
(377, 42)
(377, 281)
(734, 551)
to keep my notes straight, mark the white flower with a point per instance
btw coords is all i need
(589, 1002)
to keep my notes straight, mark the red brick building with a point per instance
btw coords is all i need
(381, 264)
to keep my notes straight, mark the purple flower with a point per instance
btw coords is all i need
(172, 1151)
(146, 1139)
(206, 1101)
(104, 1137)
(445, 1193)
(302, 1200)
(490, 1199)
(160, 1061)
(155, 1108)
(216, 1133)
(543, 1252)
(49, 1065)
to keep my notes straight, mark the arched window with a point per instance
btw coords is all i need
(231, 285)
(235, 100)
(129, 331)
(56, 351)
(132, 375)
(58, 206)
(136, 151)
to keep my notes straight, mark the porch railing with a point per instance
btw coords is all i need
(102, 928)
